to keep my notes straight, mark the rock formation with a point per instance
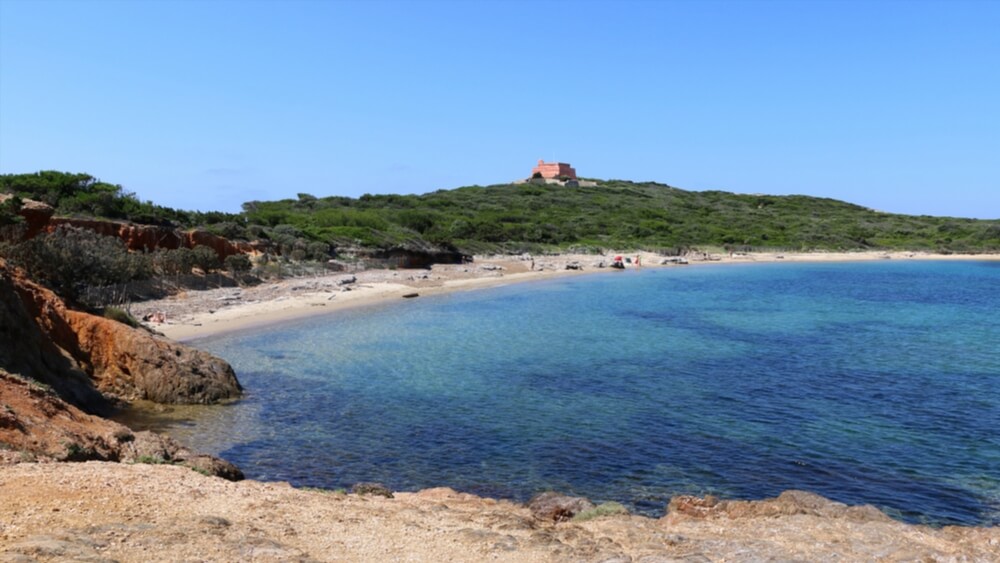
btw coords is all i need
(38, 218)
(91, 360)
(101, 512)
(556, 507)
(35, 213)
(36, 425)
(152, 237)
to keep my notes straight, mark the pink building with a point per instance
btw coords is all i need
(554, 170)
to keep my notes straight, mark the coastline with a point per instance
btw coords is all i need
(99, 510)
(192, 315)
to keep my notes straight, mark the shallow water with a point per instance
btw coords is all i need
(867, 383)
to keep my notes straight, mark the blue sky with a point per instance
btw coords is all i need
(206, 105)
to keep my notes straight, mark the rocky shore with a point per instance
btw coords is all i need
(140, 496)
(115, 512)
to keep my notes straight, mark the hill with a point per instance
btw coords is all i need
(536, 218)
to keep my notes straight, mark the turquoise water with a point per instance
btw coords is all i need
(867, 383)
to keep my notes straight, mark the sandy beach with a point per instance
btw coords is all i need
(191, 315)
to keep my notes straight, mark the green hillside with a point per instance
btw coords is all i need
(513, 218)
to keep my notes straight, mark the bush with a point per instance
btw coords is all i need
(120, 315)
(174, 262)
(70, 259)
(205, 258)
(10, 211)
(603, 509)
(238, 264)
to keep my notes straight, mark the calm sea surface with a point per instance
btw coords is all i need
(867, 383)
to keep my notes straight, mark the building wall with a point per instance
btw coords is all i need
(554, 170)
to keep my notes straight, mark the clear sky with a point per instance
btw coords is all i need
(207, 104)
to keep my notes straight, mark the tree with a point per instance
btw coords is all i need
(238, 264)
(69, 260)
(205, 258)
(10, 210)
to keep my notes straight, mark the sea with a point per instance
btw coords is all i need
(868, 383)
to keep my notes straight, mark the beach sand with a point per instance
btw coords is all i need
(191, 315)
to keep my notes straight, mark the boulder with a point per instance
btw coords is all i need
(366, 489)
(557, 507)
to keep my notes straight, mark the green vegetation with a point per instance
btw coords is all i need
(614, 214)
(526, 217)
(69, 260)
(603, 509)
(85, 196)
(78, 452)
(9, 211)
(120, 315)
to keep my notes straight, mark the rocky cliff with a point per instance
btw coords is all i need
(152, 237)
(39, 218)
(91, 361)
(59, 368)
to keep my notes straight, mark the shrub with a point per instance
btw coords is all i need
(238, 264)
(205, 258)
(70, 259)
(120, 315)
(603, 509)
(10, 211)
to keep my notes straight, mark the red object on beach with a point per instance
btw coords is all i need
(618, 258)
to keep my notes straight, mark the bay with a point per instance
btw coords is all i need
(864, 382)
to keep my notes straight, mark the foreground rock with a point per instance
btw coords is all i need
(36, 425)
(100, 511)
(555, 507)
(60, 368)
(90, 360)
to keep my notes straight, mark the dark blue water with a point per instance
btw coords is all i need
(867, 383)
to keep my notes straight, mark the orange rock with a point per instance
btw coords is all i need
(90, 360)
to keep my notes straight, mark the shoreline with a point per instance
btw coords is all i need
(196, 314)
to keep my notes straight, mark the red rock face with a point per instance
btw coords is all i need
(36, 214)
(148, 238)
(87, 358)
(39, 219)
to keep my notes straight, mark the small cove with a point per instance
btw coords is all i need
(866, 383)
